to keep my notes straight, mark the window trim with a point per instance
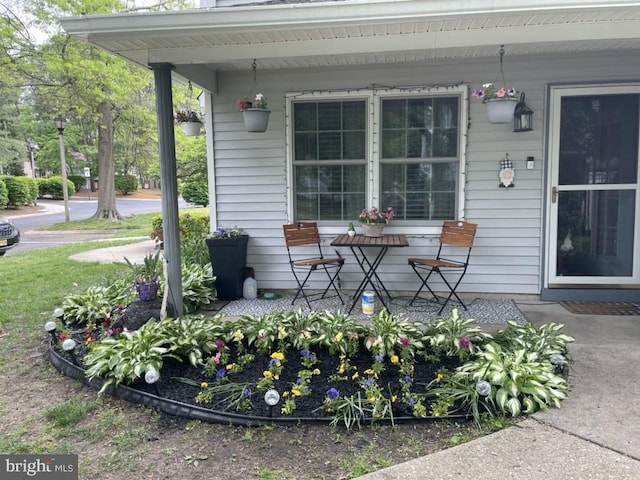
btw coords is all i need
(373, 99)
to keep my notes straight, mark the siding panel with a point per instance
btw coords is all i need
(251, 168)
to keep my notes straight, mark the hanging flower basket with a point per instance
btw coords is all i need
(192, 129)
(500, 110)
(256, 119)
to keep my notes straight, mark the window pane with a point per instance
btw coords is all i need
(427, 189)
(306, 146)
(330, 146)
(305, 117)
(325, 188)
(330, 116)
(420, 191)
(595, 233)
(599, 140)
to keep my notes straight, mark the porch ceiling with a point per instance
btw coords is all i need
(355, 32)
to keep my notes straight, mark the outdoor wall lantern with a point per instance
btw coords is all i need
(522, 117)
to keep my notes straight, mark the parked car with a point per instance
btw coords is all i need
(9, 235)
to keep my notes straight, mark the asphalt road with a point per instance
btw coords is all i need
(31, 239)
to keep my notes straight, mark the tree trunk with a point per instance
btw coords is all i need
(106, 166)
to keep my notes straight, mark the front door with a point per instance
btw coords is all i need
(593, 225)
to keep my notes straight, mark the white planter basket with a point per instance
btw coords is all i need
(191, 129)
(501, 110)
(256, 119)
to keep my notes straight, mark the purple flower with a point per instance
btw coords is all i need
(411, 402)
(221, 373)
(308, 355)
(299, 381)
(511, 92)
(465, 342)
(379, 358)
(273, 362)
(247, 392)
(407, 379)
(332, 393)
(368, 383)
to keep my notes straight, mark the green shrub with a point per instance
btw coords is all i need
(4, 196)
(17, 191)
(192, 226)
(196, 192)
(78, 182)
(53, 186)
(126, 184)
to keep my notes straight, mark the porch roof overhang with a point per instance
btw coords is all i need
(299, 35)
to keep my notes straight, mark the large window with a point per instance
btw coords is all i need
(408, 158)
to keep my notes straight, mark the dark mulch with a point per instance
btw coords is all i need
(307, 406)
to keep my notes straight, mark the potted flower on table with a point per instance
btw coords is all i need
(255, 113)
(190, 121)
(228, 255)
(373, 221)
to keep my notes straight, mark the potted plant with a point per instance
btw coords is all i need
(373, 221)
(146, 275)
(501, 102)
(228, 255)
(255, 113)
(351, 231)
(190, 121)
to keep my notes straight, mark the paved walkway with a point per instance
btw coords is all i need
(595, 435)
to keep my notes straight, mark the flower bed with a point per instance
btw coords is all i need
(325, 367)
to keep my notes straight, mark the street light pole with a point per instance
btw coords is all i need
(32, 147)
(60, 123)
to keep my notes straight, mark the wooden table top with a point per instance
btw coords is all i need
(345, 240)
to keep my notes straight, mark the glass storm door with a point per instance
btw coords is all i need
(593, 218)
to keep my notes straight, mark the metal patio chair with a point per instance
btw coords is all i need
(302, 238)
(456, 238)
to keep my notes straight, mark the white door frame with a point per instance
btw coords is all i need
(552, 280)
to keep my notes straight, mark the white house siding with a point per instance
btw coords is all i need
(251, 168)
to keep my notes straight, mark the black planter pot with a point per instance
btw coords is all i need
(229, 260)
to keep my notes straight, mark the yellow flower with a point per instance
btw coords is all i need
(204, 385)
(267, 374)
(282, 333)
(285, 394)
(368, 371)
(439, 377)
(394, 359)
(339, 337)
(316, 371)
(343, 356)
(341, 371)
(238, 336)
(354, 376)
(278, 355)
(230, 367)
(296, 392)
(394, 398)
(372, 399)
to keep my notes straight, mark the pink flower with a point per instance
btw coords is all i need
(405, 342)
(465, 342)
(219, 344)
(501, 93)
(216, 358)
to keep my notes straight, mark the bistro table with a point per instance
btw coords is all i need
(357, 243)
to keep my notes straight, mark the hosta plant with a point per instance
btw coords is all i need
(454, 336)
(520, 381)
